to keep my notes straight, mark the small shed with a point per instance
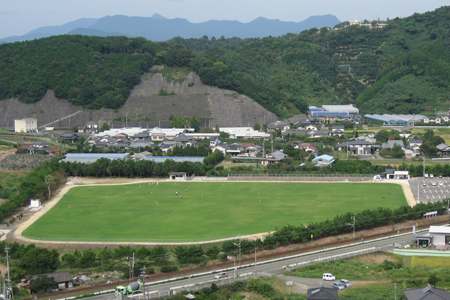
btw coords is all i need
(323, 160)
(322, 293)
(35, 203)
(177, 176)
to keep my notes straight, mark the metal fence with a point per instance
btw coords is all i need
(300, 177)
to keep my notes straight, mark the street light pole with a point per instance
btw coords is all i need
(424, 166)
(234, 269)
(255, 261)
(239, 246)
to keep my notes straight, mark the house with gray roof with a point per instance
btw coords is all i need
(68, 136)
(62, 278)
(443, 147)
(278, 125)
(322, 293)
(427, 293)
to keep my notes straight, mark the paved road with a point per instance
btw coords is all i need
(430, 189)
(275, 268)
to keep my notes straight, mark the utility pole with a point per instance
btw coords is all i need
(9, 289)
(353, 225)
(448, 210)
(143, 274)
(271, 140)
(395, 293)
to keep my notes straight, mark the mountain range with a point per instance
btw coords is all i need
(159, 28)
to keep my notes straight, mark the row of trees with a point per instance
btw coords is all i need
(366, 219)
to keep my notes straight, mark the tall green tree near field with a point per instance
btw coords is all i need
(49, 182)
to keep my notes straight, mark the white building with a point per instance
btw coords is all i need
(335, 108)
(244, 133)
(441, 235)
(25, 125)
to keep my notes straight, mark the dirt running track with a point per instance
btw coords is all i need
(16, 235)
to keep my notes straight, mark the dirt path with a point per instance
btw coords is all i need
(124, 181)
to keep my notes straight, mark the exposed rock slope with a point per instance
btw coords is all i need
(144, 107)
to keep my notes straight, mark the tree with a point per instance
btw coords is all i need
(105, 127)
(40, 260)
(43, 283)
(257, 127)
(49, 182)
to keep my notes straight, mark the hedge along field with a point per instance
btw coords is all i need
(210, 210)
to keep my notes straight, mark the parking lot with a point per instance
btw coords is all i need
(430, 189)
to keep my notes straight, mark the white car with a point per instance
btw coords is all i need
(328, 277)
(431, 175)
(424, 183)
(433, 183)
(221, 275)
(338, 285)
(441, 183)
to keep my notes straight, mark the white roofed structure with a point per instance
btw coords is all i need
(349, 108)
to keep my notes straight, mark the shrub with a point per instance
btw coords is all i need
(168, 269)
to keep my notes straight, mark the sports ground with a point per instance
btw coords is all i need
(208, 210)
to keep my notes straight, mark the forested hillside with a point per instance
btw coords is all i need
(401, 68)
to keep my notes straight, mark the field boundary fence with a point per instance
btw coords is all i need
(300, 177)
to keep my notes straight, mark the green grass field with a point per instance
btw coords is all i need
(210, 210)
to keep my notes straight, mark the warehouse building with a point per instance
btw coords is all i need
(395, 119)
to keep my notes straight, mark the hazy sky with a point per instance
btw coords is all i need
(18, 17)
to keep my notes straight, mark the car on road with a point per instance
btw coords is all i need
(433, 183)
(221, 275)
(328, 276)
(346, 282)
(441, 183)
(338, 285)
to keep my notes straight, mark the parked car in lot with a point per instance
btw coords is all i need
(441, 183)
(328, 277)
(426, 175)
(424, 183)
(221, 275)
(433, 183)
(431, 175)
(338, 285)
(345, 282)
